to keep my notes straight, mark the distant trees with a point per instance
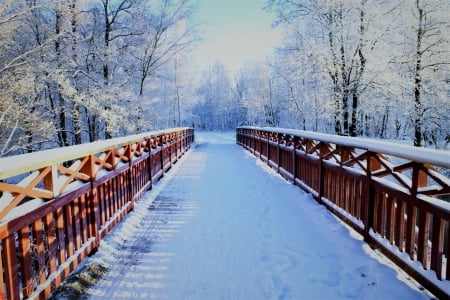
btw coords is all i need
(353, 67)
(377, 68)
(23, 45)
(261, 91)
(73, 71)
(167, 33)
(252, 98)
(214, 108)
(425, 58)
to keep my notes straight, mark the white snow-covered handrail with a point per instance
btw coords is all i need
(19, 164)
(423, 155)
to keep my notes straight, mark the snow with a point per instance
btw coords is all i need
(414, 264)
(223, 225)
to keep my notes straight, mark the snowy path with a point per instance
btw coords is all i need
(222, 226)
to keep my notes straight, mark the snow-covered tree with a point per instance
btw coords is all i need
(22, 73)
(375, 68)
(168, 30)
(69, 68)
(215, 109)
(423, 56)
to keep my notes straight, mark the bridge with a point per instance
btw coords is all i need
(58, 207)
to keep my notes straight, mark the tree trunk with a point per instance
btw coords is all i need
(353, 130)
(418, 82)
(384, 122)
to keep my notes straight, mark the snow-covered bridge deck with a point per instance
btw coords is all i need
(222, 225)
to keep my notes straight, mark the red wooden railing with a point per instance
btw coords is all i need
(56, 205)
(387, 192)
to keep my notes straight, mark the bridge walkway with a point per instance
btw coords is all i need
(222, 225)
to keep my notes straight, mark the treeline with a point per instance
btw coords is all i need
(74, 71)
(349, 67)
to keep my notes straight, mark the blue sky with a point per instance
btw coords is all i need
(235, 31)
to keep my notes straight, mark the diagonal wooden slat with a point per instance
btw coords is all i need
(73, 174)
(22, 192)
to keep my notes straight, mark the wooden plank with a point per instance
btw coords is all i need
(93, 217)
(2, 278)
(84, 221)
(350, 196)
(400, 224)
(10, 268)
(110, 198)
(60, 236)
(24, 253)
(30, 191)
(358, 199)
(437, 246)
(39, 251)
(447, 254)
(101, 204)
(68, 230)
(113, 202)
(131, 173)
(411, 212)
(377, 212)
(76, 224)
(50, 230)
(73, 174)
(107, 200)
(115, 206)
(121, 192)
(390, 219)
(423, 238)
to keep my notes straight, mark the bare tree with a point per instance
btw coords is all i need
(431, 56)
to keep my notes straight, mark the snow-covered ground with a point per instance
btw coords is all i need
(222, 225)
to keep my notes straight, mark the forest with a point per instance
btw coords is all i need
(76, 71)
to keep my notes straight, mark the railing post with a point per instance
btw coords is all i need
(253, 147)
(368, 201)
(93, 213)
(2, 279)
(149, 162)
(177, 141)
(323, 150)
(260, 144)
(162, 140)
(170, 149)
(295, 142)
(129, 177)
(279, 138)
(11, 268)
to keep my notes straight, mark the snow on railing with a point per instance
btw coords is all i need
(56, 205)
(387, 192)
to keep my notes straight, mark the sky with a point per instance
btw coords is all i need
(235, 31)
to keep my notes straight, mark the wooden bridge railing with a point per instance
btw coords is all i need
(387, 192)
(56, 205)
